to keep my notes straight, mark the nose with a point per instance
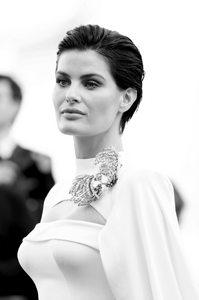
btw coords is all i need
(72, 94)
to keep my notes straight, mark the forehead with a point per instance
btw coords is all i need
(87, 60)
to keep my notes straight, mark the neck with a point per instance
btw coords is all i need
(88, 147)
(4, 132)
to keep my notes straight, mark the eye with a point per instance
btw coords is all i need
(62, 82)
(91, 85)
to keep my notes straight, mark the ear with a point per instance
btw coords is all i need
(128, 98)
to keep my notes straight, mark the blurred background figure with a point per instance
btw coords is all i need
(25, 179)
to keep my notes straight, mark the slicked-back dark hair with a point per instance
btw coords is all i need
(16, 90)
(123, 56)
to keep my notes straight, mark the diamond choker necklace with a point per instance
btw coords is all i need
(88, 188)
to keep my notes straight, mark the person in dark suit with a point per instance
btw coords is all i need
(15, 223)
(25, 179)
(33, 177)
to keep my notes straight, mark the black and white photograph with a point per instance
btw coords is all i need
(99, 150)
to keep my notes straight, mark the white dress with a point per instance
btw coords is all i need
(137, 253)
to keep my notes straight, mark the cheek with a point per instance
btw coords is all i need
(103, 113)
(98, 111)
(108, 106)
(54, 96)
(56, 99)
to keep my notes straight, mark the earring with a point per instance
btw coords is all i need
(120, 130)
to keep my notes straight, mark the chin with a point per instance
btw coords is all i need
(84, 131)
(70, 131)
(66, 131)
(70, 128)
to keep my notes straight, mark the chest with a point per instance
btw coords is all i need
(67, 210)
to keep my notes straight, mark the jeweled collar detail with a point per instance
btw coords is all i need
(88, 188)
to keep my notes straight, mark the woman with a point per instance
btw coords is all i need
(112, 232)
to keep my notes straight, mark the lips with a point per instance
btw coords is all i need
(72, 111)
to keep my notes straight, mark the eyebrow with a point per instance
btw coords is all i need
(83, 76)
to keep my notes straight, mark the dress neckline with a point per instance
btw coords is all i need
(69, 230)
(86, 165)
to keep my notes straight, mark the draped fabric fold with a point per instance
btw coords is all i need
(140, 246)
(67, 230)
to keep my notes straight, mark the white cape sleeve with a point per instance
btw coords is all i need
(141, 246)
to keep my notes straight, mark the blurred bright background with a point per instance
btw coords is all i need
(164, 133)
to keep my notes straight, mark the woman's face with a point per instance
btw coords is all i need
(93, 106)
(8, 106)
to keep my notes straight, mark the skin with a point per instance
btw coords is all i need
(8, 107)
(8, 111)
(84, 78)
